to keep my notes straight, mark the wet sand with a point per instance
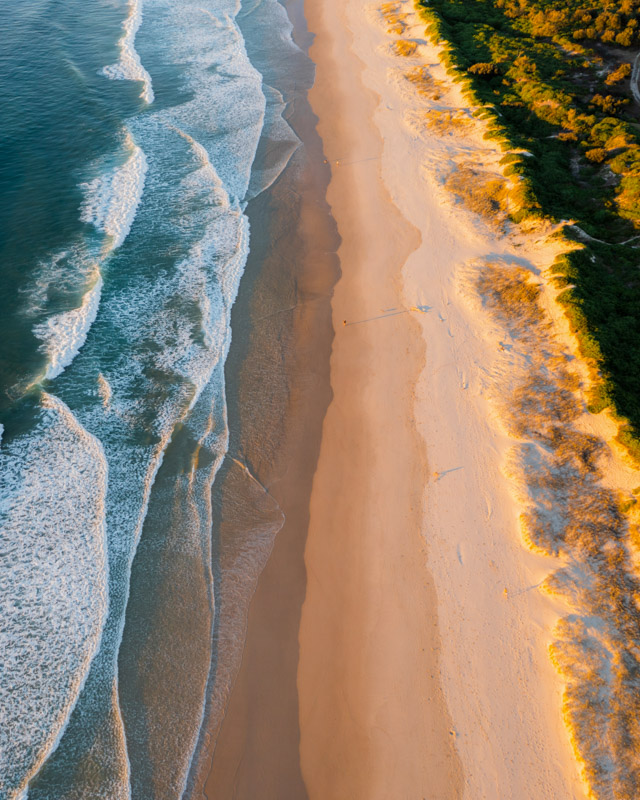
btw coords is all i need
(413, 662)
(278, 371)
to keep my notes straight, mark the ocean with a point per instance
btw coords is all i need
(133, 136)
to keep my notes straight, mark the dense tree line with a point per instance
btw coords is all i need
(552, 80)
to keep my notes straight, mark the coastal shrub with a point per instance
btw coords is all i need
(627, 162)
(617, 75)
(484, 69)
(610, 104)
(548, 99)
(483, 193)
(596, 154)
(598, 398)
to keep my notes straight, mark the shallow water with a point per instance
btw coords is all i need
(133, 139)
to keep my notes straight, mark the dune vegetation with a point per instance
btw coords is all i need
(447, 122)
(553, 82)
(484, 193)
(567, 512)
(559, 107)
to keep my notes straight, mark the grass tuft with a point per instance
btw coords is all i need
(483, 193)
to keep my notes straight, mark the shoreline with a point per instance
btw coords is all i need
(502, 694)
(496, 625)
(282, 338)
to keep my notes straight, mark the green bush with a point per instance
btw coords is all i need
(524, 72)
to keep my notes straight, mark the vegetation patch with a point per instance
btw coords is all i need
(404, 47)
(425, 84)
(569, 513)
(448, 122)
(394, 18)
(551, 78)
(484, 193)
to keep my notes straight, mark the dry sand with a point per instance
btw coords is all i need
(372, 718)
(385, 530)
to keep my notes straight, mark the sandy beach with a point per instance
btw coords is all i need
(398, 642)
(320, 400)
(401, 695)
(279, 370)
(373, 721)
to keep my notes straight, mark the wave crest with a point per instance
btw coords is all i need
(53, 588)
(112, 199)
(130, 68)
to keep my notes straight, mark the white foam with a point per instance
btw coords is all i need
(173, 325)
(64, 334)
(53, 584)
(110, 205)
(282, 64)
(104, 391)
(278, 143)
(225, 106)
(112, 199)
(130, 67)
(193, 351)
(171, 320)
(62, 272)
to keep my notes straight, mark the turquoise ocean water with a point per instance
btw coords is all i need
(133, 135)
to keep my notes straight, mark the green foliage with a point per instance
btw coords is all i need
(610, 104)
(597, 155)
(599, 399)
(617, 75)
(526, 67)
(630, 440)
(485, 69)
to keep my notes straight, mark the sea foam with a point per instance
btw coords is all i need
(269, 40)
(172, 326)
(112, 199)
(129, 67)
(225, 111)
(161, 339)
(110, 205)
(53, 595)
(64, 334)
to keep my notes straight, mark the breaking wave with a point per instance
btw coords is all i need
(129, 67)
(64, 334)
(112, 199)
(135, 324)
(53, 586)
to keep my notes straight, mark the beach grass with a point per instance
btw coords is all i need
(447, 121)
(569, 513)
(484, 193)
